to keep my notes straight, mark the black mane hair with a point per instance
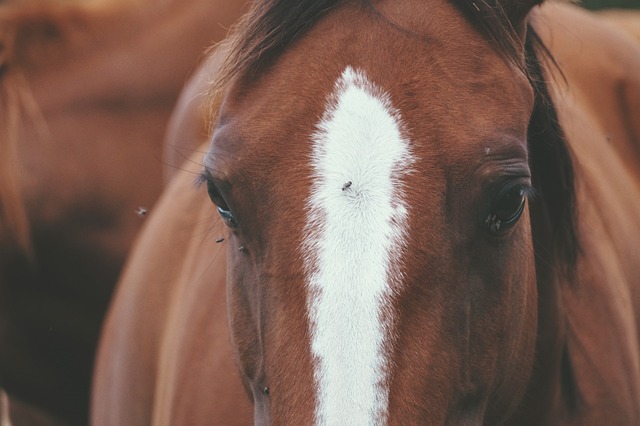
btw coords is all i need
(552, 169)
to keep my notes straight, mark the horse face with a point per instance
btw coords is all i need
(374, 179)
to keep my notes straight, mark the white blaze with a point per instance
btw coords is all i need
(354, 239)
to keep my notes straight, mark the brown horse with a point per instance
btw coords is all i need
(86, 89)
(627, 20)
(432, 218)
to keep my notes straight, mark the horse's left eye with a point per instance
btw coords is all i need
(506, 209)
(221, 204)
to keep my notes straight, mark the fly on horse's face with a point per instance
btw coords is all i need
(374, 179)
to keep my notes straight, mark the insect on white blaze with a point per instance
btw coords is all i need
(353, 249)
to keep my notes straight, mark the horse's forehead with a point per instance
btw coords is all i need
(436, 81)
(407, 56)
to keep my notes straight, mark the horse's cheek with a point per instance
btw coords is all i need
(519, 326)
(242, 326)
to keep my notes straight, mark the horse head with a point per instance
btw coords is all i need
(371, 162)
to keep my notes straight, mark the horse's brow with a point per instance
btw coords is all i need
(207, 163)
(492, 159)
(504, 144)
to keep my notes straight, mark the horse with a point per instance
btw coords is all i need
(409, 212)
(626, 19)
(86, 89)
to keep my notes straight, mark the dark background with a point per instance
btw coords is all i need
(601, 4)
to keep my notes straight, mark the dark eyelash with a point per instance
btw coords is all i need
(530, 192)
(202, 178)
(199, 181)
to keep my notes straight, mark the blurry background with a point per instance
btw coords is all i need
(601, 4)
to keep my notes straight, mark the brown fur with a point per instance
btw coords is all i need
(627, 20)
(14, 227)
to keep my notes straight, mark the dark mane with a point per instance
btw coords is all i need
(263, 32)
(555, 226)
(271, 25)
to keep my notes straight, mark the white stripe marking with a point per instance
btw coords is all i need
(354, 240)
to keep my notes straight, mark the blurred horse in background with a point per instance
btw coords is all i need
(625, 19)
(86, 89)
(171, 344)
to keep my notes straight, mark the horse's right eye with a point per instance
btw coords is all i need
(223, 208)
